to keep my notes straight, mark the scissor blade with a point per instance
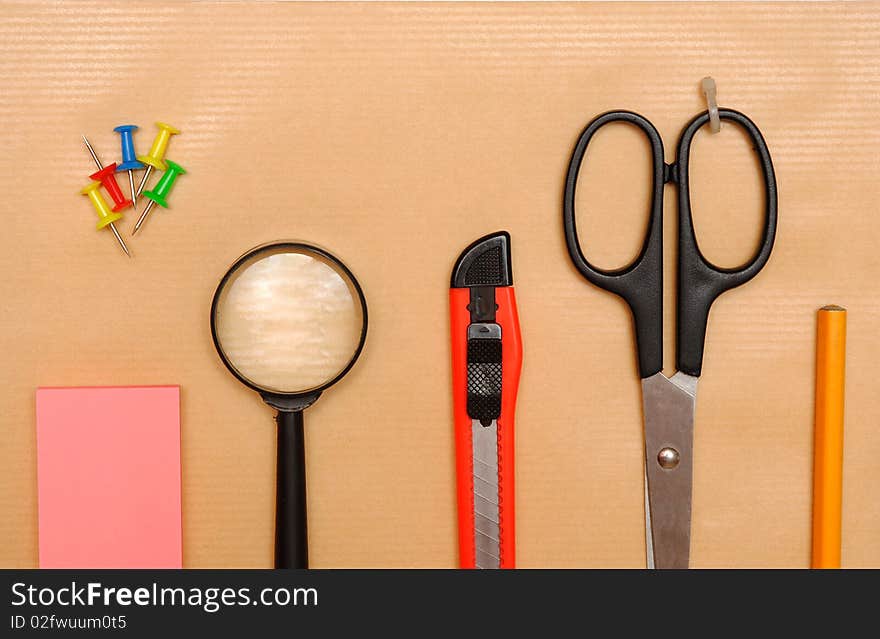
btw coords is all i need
(669, 440)
(487, 535)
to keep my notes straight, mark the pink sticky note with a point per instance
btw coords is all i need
(108, 466)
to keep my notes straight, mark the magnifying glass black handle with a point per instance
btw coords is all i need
(291, 524)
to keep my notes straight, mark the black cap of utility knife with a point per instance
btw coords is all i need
(486, 262)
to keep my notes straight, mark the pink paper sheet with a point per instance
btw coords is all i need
(108, 465)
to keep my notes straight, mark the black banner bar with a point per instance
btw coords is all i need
(412, 603)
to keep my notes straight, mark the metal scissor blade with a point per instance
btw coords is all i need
(669, 440)
(487, 533)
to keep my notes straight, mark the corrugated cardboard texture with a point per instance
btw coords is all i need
(395, 135)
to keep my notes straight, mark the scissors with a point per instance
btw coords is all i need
(669, 402)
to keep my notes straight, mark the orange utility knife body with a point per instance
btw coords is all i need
(486, 362)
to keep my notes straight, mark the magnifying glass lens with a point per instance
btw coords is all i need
(288, 319)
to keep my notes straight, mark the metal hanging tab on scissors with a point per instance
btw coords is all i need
(669, 402)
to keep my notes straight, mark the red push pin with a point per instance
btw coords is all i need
(107, 178)
(105, 175)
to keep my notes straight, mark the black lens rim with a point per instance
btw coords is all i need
(296, 247)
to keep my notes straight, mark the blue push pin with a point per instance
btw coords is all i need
(129, 162)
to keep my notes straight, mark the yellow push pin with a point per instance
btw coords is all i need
(155, 159)
(107, 217)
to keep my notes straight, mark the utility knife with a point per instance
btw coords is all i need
(486, 364)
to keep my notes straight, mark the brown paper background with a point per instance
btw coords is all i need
(395, 134)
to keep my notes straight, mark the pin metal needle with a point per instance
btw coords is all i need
(144, 179)
(119, 238)
(92, 153)
(134, 205)
(146, 212)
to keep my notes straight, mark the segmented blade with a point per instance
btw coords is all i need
(487, 535)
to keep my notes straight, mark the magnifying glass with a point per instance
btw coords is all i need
(289, 320)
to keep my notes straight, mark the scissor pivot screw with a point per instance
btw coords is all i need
(668, 458)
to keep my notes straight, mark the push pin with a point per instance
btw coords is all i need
(129, 160)
(106, 176)
(105, 215)
(159, 194)
(154, 159)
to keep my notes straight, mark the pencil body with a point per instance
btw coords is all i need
(828, 436)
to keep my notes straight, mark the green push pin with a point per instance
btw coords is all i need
(160, 192)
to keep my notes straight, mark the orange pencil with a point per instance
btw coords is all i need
(828, 437)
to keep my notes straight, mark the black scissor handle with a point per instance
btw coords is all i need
(700, 281)
(641, 282)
